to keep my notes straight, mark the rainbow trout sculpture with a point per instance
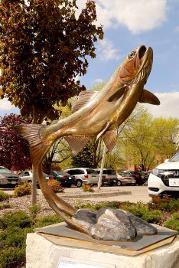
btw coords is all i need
(95, 114)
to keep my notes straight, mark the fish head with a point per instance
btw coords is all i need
(137, 60)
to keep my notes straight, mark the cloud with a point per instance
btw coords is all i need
(168, 105)
(137, 15)
(6, 107)
(107, 51)
(177, 29)
(98, 81)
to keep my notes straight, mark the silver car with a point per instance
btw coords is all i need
(125, 178)
(7, 178)
(83, 175)
(27, 176)
(109, 177)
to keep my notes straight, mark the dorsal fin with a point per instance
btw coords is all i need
(149, 97)
(83, 98)
(110, 138)
(117, 94)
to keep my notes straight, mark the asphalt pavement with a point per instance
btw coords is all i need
(118, 193)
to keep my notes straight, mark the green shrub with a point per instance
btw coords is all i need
(138, 209)
(34, 210)
(15, 236)
(18, 219)
(3, 196)
(22, 189)
(47, 220)
(112, 204)
(171, 205)
(141, 210)
(87, 205)
(152, 216)
(4, 206)
(55, 185)
(175, 215)
(12, 257)
(173, 223)
(14, 228)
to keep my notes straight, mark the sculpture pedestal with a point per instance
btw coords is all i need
(51, 251)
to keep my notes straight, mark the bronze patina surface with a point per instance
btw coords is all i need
(96, 114)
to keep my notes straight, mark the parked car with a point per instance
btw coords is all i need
(137, 176)
(7, 178)
(83, 175)
(109, 176)
(125, 178)
(164, 179)
(64, 178)
(26, 176)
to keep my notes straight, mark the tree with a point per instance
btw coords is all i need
(164, 131)
(90, 156)
(58, 153)
(43, 47)
(145, 141)
(14, 150)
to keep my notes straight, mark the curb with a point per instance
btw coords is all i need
(95, 195)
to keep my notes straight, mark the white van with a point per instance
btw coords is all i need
(164, 179)
(83, 175)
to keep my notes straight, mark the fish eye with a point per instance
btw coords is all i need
(132, 54)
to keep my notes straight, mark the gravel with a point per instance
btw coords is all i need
(138, 194)
(24, 203)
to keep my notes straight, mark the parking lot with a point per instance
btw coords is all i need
(118, 193)
(125, 193)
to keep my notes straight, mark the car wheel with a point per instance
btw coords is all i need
(78, 183)
(118, 183)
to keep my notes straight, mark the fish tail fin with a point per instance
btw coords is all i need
(32, 133)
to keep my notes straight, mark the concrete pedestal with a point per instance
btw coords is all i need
(45, 251)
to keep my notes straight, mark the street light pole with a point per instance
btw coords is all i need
(102, 166)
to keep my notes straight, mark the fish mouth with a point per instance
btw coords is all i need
(145, 56)
(141, 51)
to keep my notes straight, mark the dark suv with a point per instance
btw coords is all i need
(137, 176)
(64, 178)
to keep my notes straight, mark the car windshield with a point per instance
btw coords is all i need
(175, 158)
(4, 170)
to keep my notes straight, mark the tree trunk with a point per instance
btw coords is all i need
(36, 120)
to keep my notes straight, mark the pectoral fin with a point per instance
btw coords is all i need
(117, 94)
(76, 143)
(149, 97)
(110, 138)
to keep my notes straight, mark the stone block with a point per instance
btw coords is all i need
(43, 251)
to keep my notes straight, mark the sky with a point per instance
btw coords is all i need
(128, 24)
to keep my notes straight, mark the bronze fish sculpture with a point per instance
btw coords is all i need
(95, 114)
